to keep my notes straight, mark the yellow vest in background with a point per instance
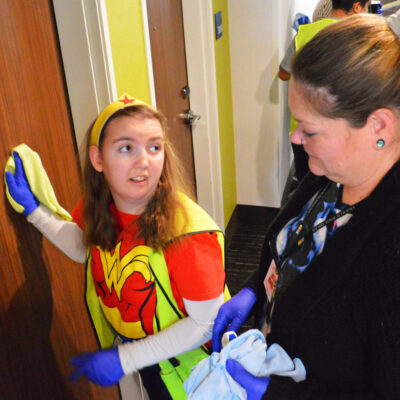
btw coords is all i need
(305, 34)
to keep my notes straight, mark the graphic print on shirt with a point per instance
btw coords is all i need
(304, 245)
(126, 288)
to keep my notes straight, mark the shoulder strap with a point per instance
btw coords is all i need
(197, 220)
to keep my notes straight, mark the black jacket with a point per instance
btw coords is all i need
(341, 316)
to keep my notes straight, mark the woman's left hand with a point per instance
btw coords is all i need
(102, 367)
(255, 386)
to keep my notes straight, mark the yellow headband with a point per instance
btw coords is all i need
(125, 101)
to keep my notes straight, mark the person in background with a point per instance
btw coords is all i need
(322, 10)
(327, 288)
(155, 270)
(340, 9)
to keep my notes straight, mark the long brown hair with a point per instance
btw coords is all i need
(157, 222)
(350, 69)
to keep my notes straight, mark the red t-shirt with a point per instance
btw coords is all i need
(194, 265)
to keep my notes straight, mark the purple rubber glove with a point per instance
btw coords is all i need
(18, 187)
(102, 367)
(255, 386)
(234, 314)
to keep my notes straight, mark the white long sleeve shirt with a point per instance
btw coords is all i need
(185, 335)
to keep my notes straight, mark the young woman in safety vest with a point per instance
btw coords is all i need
(155, 265)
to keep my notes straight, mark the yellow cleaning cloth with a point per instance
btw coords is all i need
(38, 180)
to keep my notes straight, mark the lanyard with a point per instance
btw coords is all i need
(297, 238)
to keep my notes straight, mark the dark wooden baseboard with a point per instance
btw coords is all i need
(244, 214)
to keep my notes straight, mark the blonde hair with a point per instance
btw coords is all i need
(156, 224)
(351, 68)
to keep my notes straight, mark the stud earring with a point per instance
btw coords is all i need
(380, 143)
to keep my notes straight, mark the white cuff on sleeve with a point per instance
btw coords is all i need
(65, 235)
(184, 335)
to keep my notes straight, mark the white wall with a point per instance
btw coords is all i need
(254, 30)
(260, 31)
(305, 6)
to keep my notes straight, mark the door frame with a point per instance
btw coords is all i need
(86, 51)
(198, 23)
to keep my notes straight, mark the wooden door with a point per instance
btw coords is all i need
(170, 76)
(43, 319)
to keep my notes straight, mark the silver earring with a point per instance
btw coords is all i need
(380, 143)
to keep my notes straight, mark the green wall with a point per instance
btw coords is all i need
(225, 112)
(131, 75)
(128, 48)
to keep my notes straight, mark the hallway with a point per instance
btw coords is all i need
(245, 244)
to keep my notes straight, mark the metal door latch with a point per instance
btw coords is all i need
(190, 117)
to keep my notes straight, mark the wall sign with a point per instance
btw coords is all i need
(218, 24)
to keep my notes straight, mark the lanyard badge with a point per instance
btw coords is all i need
(283, 270)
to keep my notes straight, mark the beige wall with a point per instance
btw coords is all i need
(259, 34)
(254, 61)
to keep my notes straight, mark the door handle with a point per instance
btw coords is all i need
(190, 117)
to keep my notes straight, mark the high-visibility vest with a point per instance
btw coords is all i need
(305, 34)
(107, 321)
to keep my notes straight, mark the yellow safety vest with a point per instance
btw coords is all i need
(305, 34)
(167, 310)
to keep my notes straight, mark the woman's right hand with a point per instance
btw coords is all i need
(18, 187)
(234, 314)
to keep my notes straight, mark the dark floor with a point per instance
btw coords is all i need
(244, 247)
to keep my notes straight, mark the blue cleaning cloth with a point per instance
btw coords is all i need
(210, 380)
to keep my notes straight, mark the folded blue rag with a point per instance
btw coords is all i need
(210, 380)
